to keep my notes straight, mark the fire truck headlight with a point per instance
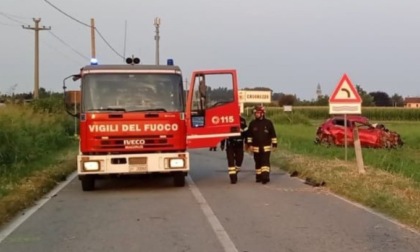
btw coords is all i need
(91, 166)
(176, 163)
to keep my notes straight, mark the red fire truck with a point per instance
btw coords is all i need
(138, 119)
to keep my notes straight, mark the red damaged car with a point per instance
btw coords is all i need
(333, 130)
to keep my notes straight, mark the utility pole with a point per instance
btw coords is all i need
(157, 37)
(92, 39)
(36, 28)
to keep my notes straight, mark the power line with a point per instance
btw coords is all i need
(106, 42)
(69, 46)
(84, 24)
(10, 18)
(16, 16)
(61, 52)
(1, 23)
(65, 14)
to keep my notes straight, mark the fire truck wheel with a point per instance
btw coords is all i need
(179, 179)
(88, 183)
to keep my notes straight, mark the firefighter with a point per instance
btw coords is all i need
(235, 151)
(261, 140)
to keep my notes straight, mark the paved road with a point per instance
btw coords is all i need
(209, 214)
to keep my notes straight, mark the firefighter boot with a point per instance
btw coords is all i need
(233, 178)
(258, 175)
(233, 175)
(265, 174)
(265, 177)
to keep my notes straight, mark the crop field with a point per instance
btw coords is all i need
(405, 161)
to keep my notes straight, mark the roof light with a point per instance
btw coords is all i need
(170, 62)
(133, 60)
(94, 62)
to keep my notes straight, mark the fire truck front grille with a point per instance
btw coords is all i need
(127, 142)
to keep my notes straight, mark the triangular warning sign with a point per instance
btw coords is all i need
(345, 92)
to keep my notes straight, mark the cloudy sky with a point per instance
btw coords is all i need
(287, 45)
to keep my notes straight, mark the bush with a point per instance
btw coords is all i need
(28, 133)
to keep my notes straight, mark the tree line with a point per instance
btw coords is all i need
(371, 99)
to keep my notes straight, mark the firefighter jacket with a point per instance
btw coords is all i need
(238, 140)
(261, 135)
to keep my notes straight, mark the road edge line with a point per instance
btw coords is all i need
(217, 227)
(25, 214)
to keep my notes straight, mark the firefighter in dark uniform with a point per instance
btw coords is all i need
(261, 140)
(235, 151)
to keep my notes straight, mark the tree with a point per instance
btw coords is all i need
(381, 99)
(367, 99)
(287, 99)
(323, 100)
(397, 100)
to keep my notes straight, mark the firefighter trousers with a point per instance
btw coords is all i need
(235, 156)
(262, 166)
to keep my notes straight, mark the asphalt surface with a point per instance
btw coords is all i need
(209, 214)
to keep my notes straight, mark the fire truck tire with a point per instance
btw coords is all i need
(88, 183)
(179, 179)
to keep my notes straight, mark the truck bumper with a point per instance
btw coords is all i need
(133, 163)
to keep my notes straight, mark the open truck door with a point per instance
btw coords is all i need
(212, 108)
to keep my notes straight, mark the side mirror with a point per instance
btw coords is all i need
(76, 77)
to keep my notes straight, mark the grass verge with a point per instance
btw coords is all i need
(391, 194)
(26, 191)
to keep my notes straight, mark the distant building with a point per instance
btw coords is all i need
(412, 102)
(318, 91)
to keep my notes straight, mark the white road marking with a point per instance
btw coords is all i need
(14, 224)
(221, 233)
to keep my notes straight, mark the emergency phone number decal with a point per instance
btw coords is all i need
(148, 127)
(222, 119)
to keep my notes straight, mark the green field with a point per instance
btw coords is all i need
(298, 138)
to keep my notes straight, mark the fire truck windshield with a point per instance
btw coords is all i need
(132, 92)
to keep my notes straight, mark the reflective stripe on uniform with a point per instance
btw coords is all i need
(265, 169)
(249, 139)
(273, 140)
(267, 148)
(255, 149)
(258, 171)
(232, 170)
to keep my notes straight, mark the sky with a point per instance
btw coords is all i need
(290, 46)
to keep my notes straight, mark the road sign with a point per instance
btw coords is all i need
(345, 92)
(254, 96)
(345, 99)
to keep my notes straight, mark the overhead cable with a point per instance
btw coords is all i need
(69, 46)
(84, 24)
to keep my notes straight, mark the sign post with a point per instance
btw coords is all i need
(345, 100)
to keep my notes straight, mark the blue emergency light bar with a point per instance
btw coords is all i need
(94, 62)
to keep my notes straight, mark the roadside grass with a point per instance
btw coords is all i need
(34, 140)
(391, 184)
(19, 194)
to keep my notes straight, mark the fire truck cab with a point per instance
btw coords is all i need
(139, 119)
